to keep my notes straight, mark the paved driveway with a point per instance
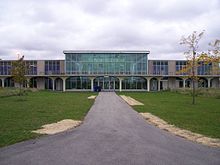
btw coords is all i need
(112, 134)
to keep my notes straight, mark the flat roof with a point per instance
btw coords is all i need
(106, 51)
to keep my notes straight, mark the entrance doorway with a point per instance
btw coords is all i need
(107, 83)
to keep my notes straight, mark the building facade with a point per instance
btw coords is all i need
(111, 71)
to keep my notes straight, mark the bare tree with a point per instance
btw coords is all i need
(192, 44)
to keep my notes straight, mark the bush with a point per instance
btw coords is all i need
(7, 92)
(204, 92)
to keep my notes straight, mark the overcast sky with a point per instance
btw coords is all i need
(42, 29)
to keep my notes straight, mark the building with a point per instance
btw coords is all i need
(111, 71)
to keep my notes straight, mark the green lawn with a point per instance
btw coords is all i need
(176, 108)
(18, 117)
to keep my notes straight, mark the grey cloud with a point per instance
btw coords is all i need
(42, 29)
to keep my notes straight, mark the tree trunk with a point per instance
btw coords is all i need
(20, 90)
(193, 78)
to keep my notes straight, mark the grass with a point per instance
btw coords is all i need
(20, 115)
(176, 108)
(203, 92)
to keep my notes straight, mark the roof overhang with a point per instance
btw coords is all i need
(105, 51)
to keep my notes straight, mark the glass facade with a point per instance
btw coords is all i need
(106, 63)
(134, 83)
(48, 83)
(160, 67)
(52, 67)
(9, 82)
(180, 65)
(31, 67)
(5, 67)
(78, 82)
(106, 83)
(33, 82)
(204, 69)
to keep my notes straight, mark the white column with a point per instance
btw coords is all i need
(28, 82)
(158, 85)
(148, 83)
(92, 83)
(64, 84)
(120, 84)
(184, 83)
(53, 83)
(3, 82)
(209, 82)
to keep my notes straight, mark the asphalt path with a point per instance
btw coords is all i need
(112, 134)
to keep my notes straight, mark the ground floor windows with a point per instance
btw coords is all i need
(33, 82)
(48, 83)
(153, 84)
(111, 83)
(134, 83)
(203, 83)
(106, 83)
(78, 82)
(9, 82)
(58, 84)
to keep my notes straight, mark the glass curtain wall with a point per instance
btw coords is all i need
(108, 83)
(106, 63)
(138, 83)
(78, 82)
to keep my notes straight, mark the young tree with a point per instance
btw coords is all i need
(18, 73)
(192, 43)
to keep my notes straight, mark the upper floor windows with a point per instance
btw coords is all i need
(52, 67)
(31, 67)
(180, 67)
(204, 69)
(160, 67)
(5, 67)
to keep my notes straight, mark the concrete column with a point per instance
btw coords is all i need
(92, 83)
(3, 82)
(53, 82)
(148, 83)
(64, 83)
(120, 83)
(28, 82)
(158, 85)
(209, 82)
(184, 82)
